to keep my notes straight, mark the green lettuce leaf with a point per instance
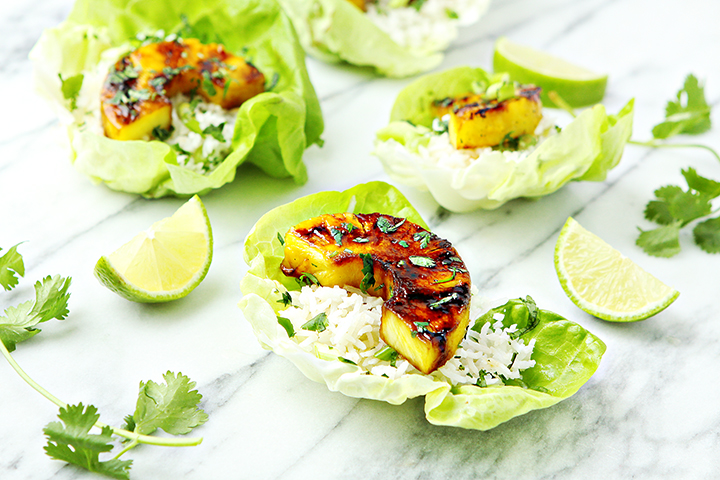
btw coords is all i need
(272, 131)
(586, 149)
(337, 31)
(566, 354)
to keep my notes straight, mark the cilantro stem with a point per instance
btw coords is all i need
(561, 103)
(134, 437)
(656, 144)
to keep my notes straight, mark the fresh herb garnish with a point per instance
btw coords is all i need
(70, 88)
(337, 236)
(417, 4)
(387, 354)
(673, 207)
(420, 327)
(308, 279)
(121, 76)
(171, 406)
(453, 271)
(422, 261)
(451, 14)
(287, 325)
(422, 237)
(404, 244)
(11, 265)
(361, 240)
(317, 324)
(207, 84)
(280, 239)
(346, 360)
(367, 269)
(162, 134)
(215, 131)
(443, 300)
(441, 125)
(286, 299)
(386, 225)
(349, 226)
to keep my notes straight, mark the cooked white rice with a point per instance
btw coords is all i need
(353, 333)
(205, 152)
(440, 152)
(430, 28)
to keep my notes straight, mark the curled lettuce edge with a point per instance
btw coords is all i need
(336, 31)
(567, 355)
(272, 129)
(586, 149)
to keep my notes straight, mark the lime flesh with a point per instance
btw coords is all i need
(603, 282)
(165, 262)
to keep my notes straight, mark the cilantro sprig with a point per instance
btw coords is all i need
(675, 207)
(171, 406)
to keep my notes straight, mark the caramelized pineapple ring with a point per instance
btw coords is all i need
(359, 3)
(135, 97)
(420, 276)
(475, 122)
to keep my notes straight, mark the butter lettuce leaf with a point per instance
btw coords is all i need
(585, 149)
(272, 130)
(337, 31)
(566, 354)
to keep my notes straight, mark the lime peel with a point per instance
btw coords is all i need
(166, 261)
(603, 282)
(577, 86)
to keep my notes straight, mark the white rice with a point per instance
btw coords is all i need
(441, 152)
(430, 28)
(353, 333)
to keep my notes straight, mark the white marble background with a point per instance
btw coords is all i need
(651, 410)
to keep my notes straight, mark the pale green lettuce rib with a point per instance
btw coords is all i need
(566, 354)
(272, 131)
(586, 149)
(337, 31)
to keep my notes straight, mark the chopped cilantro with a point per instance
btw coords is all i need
(386, 226)
(287, 325)
(273, 82)
(280, 239)
(286, 299)
(317, 324)
(349, 226)
(367, 269)
(162, 134)
(361, 240)
(387, 354)
(404, 244)
(422, 261)
(337, 236)
(308, 279)
(215, 131)
(346, 360)
(207, 84)
(70, 88)
(443, 300)
(423, 237)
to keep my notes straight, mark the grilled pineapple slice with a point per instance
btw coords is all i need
(135, 97)
(476, 122)
(359, 3)
(420, 276)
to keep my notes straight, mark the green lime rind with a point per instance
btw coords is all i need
(576, 92)
(601, 311)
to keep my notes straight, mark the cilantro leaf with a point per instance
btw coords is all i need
(51, 298)
(11, 265)
(386, 226)
(661, 242)
(215, 131)
(368, 270)
(700, 184)
(70, 88)
(688, 206)
(17, 325)
(317, 324)
(20, 323)
(73, 443)
(287, 325)
(692, 117)
(172, 406)
(707, 235)
(418, 261)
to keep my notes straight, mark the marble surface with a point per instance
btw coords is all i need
(651, 410)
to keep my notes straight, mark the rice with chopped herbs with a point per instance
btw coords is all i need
(426, 25)
(344, 324)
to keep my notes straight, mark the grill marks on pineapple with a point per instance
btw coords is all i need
(426, 301)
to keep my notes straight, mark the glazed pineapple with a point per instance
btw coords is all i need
(476, 122)
(420, 276)
(135, 98)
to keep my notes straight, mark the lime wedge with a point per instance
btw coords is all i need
(165, 262)
(576, 85)
(603, 282)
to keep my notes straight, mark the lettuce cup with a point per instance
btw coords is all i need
(513, 358)
(170, 97)
(476, 140)
(396, 38)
